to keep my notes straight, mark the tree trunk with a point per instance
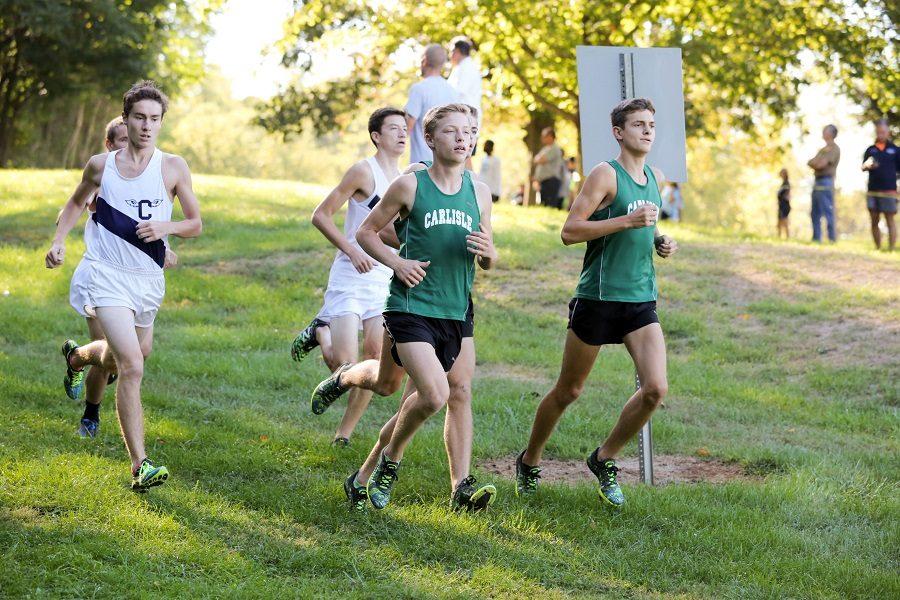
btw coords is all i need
(537, 120)
(73, 136)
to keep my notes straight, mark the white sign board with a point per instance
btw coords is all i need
(606, 75)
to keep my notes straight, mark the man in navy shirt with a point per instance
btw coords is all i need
(882, 161)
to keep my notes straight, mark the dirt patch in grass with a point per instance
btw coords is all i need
(667, 468)
(254, 266)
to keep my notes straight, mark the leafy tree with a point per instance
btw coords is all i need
(742, 60)
(50, 49)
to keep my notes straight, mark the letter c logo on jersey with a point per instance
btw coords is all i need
(140, 204)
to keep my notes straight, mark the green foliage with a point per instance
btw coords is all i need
(780, 359)
(742, 60)
(60, 51)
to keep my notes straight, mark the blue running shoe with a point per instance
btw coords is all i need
(88, 428)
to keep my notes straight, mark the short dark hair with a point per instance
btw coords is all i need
(376, 119)
(144, 90)
(620, 112)
(489, 147)
(111, 129)
(832, 129)
(463, 44)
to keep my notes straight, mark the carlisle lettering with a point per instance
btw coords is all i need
(448, 216)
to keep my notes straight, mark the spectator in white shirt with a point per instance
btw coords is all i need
(490, 170)
(432, 91)
(465, 77)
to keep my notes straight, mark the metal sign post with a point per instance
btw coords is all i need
(645, 435)
(609, 74)
(645, 445)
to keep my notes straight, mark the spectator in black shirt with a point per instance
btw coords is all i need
(882, 161)
(784, 204)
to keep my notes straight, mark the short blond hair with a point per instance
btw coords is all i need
(111, 128)
(430, 122)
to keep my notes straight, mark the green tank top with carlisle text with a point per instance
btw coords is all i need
(619, 267)
(435, 230)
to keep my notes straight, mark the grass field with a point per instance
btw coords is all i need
(782, 358)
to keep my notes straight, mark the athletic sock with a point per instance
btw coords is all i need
(91, 411)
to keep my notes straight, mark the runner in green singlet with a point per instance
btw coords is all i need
(615, 301)
(444, 227)
(458, 423)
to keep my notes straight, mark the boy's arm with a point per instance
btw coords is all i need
(599, 187)
(481, 242)
(71, 212)
(399, 197)
(191, 225)
(358, 178)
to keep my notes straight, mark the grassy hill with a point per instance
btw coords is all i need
(782, 360)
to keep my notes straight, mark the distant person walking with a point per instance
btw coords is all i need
(432, 91)
(784, 205)
(548, 169)
(882, 161)
(465, 78)
(490, 171)
(824, 165)
(672, 202)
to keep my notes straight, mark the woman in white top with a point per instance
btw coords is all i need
(490, 170)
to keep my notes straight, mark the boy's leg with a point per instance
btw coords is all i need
(358, 399)
(384, 436)
(95, 381)
(578, 360)
(125, 346)
(432, 391)
(648, 350)
(458, 424)
(382, 376)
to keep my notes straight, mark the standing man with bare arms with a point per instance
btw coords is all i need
(123, 277)
(615, 301)
(357, 283)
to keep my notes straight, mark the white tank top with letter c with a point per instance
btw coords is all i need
(122, 203)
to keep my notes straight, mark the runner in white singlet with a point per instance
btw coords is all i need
(357, 284)
(120, 279)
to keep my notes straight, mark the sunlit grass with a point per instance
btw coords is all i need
(778, 360)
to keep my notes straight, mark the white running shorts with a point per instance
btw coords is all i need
(364, 301)
(96, 283)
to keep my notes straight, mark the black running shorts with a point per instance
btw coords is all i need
(444, 335)
(601, 322)
(468, 328)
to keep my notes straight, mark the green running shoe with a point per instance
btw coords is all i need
(328, 391)
(147, 476)
(472, 497)
(306, 340)
(357, 494)
(381, 482)
(73, 382)
(526, 477)
(606, 471)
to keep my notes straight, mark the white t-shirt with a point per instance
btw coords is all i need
(490, 173)
(466, 79)
(423, 96)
